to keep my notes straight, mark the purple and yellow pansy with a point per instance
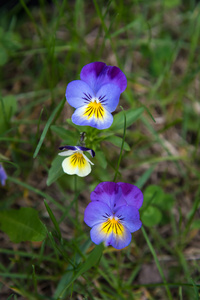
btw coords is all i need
(96, 95)
(113, 213)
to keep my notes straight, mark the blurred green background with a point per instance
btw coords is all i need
(43, 46)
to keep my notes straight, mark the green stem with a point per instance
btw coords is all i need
(192, 213)
(122, 146)
(76, 200)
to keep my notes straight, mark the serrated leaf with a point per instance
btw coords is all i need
(22, 225)
(151, 216)
(56, 170)
(117, 141)
(131, 116)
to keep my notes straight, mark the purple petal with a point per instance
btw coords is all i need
(118, 242)
(68, 148)
(78, 118)
(3, 175)
(92, 153)
(116, 76)
(96, 212)
(123, 241)
(132, 194)
(76, 148)
(78, 93)
(91, 72)
(97, 74)
(108, 96)
(98, 236)
(129, 216)
(109, 193)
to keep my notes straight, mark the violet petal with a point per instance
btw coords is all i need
(132, 194)
(78, 93)
(130, 217)
(96, 212)
(109, 193)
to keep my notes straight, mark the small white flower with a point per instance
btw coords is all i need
(76, 162)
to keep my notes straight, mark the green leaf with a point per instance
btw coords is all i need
(131, 116)
(196, 224)
(53, 219)
(151, 216)
(3, 157)
(69, 137)
(101, 159)
(171, 3)
(3, 56)
(50, 120)
(22, 225)
(90, 262)
(117, 141)
(79, 128)
(37, 192)
(67, 277)
(144, 177)
(153, 194)
(166, 202)
(56, 170)
(8, 107)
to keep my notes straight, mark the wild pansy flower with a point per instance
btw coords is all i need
(96, 95)
(113, 213)
(76, 162)
(3, 175)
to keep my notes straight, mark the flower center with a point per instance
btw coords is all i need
(94, 108)
(77, 160)
(113, 225)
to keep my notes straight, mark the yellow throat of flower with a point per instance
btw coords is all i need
(94, 108)
(77, 160)
(113, 225)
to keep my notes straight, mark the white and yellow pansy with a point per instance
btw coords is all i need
(76, 162)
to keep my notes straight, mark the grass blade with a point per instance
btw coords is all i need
(157, 263)
(91, 261)
(50, 120)
(53, 219)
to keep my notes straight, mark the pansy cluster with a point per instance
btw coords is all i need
(113, 213)
(94, 97)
